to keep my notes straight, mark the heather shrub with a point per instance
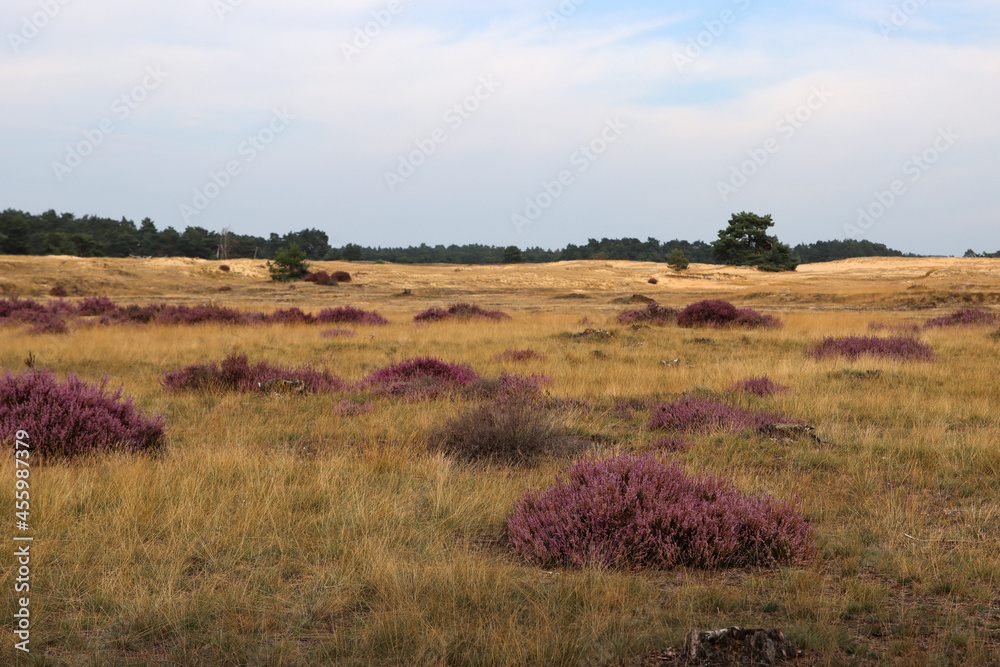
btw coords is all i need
(133, 314)
(653, 313)
(903, 348)
(224, 267)
(291, 316)
(452, 375)
(96, 305)
(505, 432)
(14, 309)
(65, 419)
(235, 373)
(350, 314)
(58, 291)
(61, 307)
(758, 386)
(705, 415)
(964, 318)
(636, 512)
(432, 315)
(472, 311)
(336, 333)
(719, 313)
(507, 387)
(653, 281)
(626, 408)
(341, 276)
(518, 355)
(225, 288)
(49, 324)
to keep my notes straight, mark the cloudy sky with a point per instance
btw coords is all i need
(526, 122)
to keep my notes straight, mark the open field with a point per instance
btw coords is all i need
(273, 532)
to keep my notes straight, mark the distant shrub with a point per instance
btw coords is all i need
(671, 444)
(61, 307)
(291, 316)
(759, 386)
(510, 432)
(677, 261)
(350, 314)
(336, 333)
(347, 408)
(224, 267)
(653, 313)
(65, 419)
(472, 311)
(653, 281)
(341, 276)
(225, 288)
(898, 328)
(59, 291)
(719, 313)
(518, 355)
(635, 512)
(133, 314)
(902, 348)
(235, 373)
(964, 318)
(508, 387)
(452, 375)
(432, 315)
(49, 324)
(319, 277)
(96, 305)
(705, 415)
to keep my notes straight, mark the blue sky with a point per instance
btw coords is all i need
(516, 122)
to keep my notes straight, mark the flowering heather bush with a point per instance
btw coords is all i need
(350, 314)
(472, 311)
(59, 291)
(704, 415)
(452, 375)
(341, 276)
(235, 373)
(964, 318)
(10, 307)
(759, 386)
(719, 313)
(902, 348)
(291, 316)
(49, 324)
(64, 419)
(346, 408)
(199, 315)
(625, 408)
(636, 512)
(653, 313)
(652, 281)
(319, 277)
(432, 315)
(96, 305)
(223, 267)
(512, 432)
(336, 333)
(672, 444)
(518, 355)
(61, 307)
(898, 328)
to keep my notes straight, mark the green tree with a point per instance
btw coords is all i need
(351, 252)
(512, 255)
(677, 261)
(745, 242)
(289, 264)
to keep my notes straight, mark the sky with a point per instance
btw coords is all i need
(513, 122)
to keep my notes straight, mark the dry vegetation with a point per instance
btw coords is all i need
(274, 531)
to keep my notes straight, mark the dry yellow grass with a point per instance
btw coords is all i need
(273, 532)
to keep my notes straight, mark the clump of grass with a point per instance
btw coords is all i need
(898, 328)
(518, 355)
(719, 313)
(758, 386)
(635, 512)
(695, 414)
(337, 333)
(505, 432)
(671, 444)
(653, 313)
(507, 387)
(350, 314)
(236, 373)
(966, 317)
(69, 418)
(349, 408)
(902, 348)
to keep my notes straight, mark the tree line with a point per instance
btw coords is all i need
(65, 234)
